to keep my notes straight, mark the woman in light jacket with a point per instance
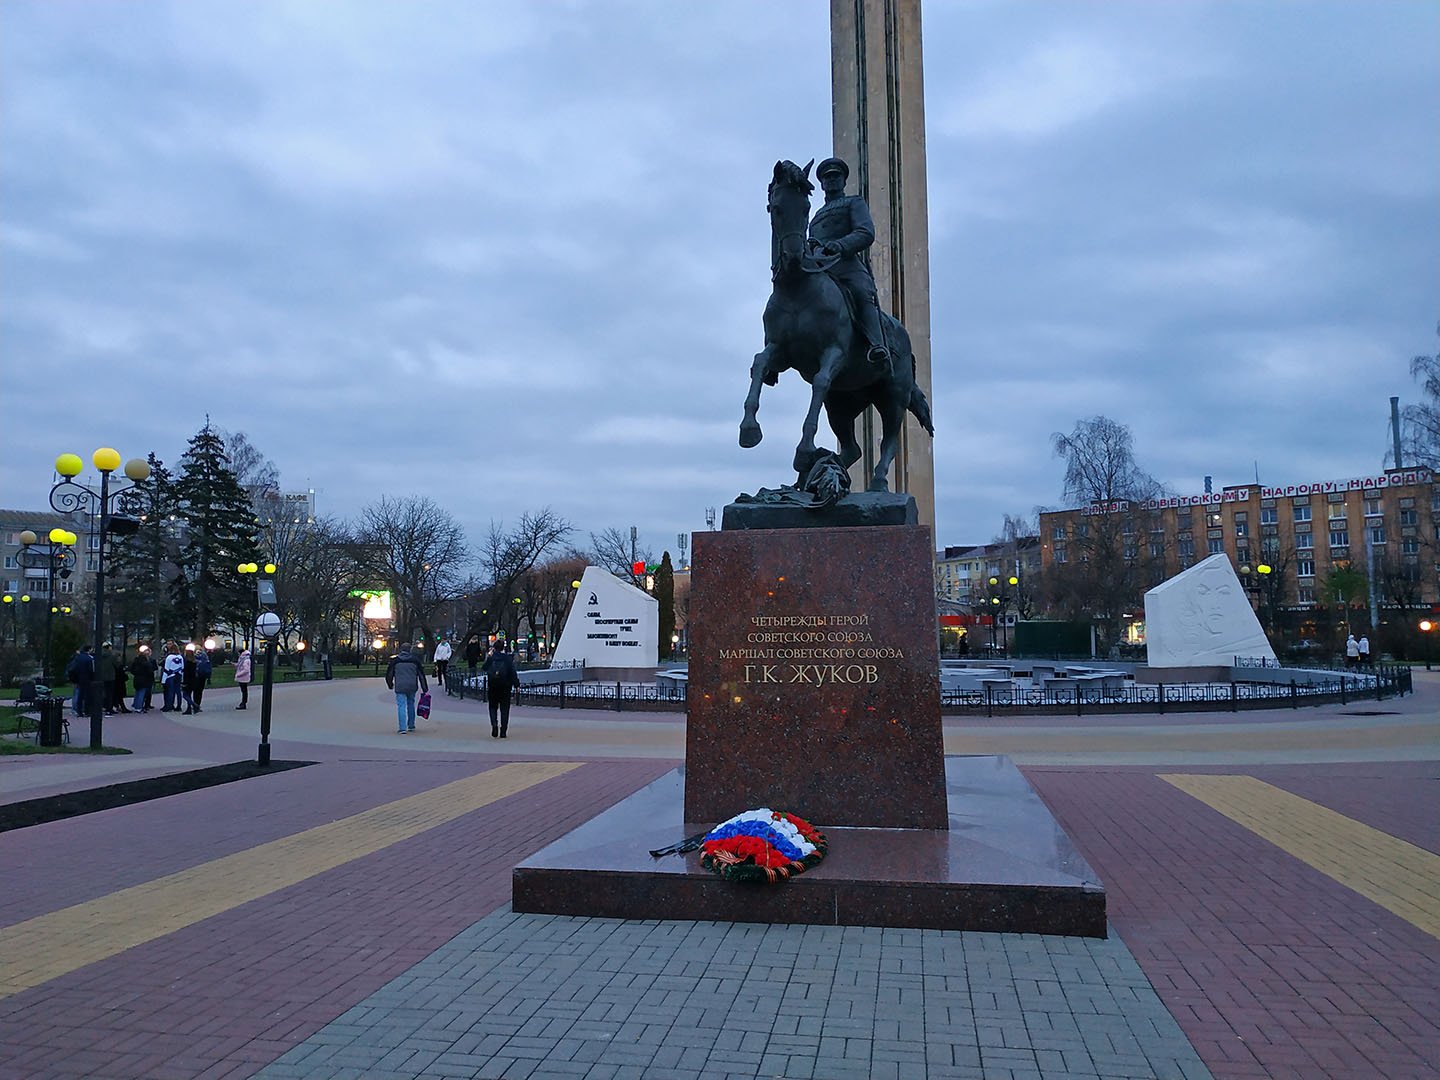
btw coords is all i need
(243, 676)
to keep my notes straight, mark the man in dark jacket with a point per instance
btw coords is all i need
(143, 670)
(81, 671)
(406, 676)
(500, 678)
(472, 653)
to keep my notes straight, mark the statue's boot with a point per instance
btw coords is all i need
(869, 318)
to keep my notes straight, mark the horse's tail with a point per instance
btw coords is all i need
(921, 408)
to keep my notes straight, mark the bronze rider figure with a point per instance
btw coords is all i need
(843, 229)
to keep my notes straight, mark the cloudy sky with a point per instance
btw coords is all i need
(514, 254)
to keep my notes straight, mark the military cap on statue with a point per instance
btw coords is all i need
(833, 164)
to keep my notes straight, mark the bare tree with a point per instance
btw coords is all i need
(612, 550)
(1113, 557)
(317, 569)
(1421, 427)
(510, 554)
(420, 552)
(256, 472)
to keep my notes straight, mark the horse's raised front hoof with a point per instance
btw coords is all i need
(878, 485)
(750, 434)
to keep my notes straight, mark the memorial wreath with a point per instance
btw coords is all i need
(762, 845)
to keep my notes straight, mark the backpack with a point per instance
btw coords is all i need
(202, 665)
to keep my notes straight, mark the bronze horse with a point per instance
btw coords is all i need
(808, 327)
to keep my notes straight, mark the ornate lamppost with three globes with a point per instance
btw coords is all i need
(14, 607)
(69, 496)
(57, 558)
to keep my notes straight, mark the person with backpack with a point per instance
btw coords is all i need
(500, 679)
(80, 671)
(201, 676)
(406, 676)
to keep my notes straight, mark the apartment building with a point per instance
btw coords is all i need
(1382, 525)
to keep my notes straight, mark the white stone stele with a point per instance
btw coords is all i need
(1202, 618)
(611, 625)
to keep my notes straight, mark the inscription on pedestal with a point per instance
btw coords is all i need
(814, 681)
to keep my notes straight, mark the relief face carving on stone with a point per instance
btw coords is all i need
(1202, 617)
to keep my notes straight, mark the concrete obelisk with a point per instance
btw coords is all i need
(879, 129)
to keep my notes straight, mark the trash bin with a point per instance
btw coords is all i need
(52, 721)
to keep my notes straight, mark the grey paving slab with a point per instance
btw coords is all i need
(519, 996)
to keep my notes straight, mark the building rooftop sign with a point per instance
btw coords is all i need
(1243, 493)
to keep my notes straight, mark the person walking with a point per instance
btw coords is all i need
(244, 672)
(1352, 651)
(203, 670)
(442, 660)
(172, 674)
(473, 649)
(142, 669)
(406, 676)
(1364, 646)
(500, 679)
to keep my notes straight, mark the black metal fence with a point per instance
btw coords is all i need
(616, 696)
(1374, 684)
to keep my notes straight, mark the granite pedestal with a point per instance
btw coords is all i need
(814, 688)
(815, 677)
(1003, 865)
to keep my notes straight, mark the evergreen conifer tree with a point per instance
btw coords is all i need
(220, 532)
(665, 594)
(141, 565)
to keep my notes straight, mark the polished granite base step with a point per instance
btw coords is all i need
(1005, 865)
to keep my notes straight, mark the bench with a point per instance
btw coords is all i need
(290, 675)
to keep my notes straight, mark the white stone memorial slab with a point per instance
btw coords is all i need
(612, 624)
(1202, 618)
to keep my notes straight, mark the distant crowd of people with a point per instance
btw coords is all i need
(183, 674)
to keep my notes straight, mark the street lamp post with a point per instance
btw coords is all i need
(57, 558)
(15, 617)
(69, 496)
(999, 602)
(1428, 629)
(264, 588)
(267, 626)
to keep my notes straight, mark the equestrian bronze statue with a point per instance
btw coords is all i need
(823, 321)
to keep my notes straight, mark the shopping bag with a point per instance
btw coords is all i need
(422, 707)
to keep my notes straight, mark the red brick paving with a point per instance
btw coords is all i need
(1270, 967)
(238, 990)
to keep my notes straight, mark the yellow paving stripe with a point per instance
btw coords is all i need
(48, 946)
(1397, 875)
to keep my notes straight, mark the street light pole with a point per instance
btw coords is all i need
(53, 560)
(68, 496)
(267, 626)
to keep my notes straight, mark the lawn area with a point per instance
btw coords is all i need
(13, 743)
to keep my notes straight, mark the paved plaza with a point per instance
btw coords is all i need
(1273, 884)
